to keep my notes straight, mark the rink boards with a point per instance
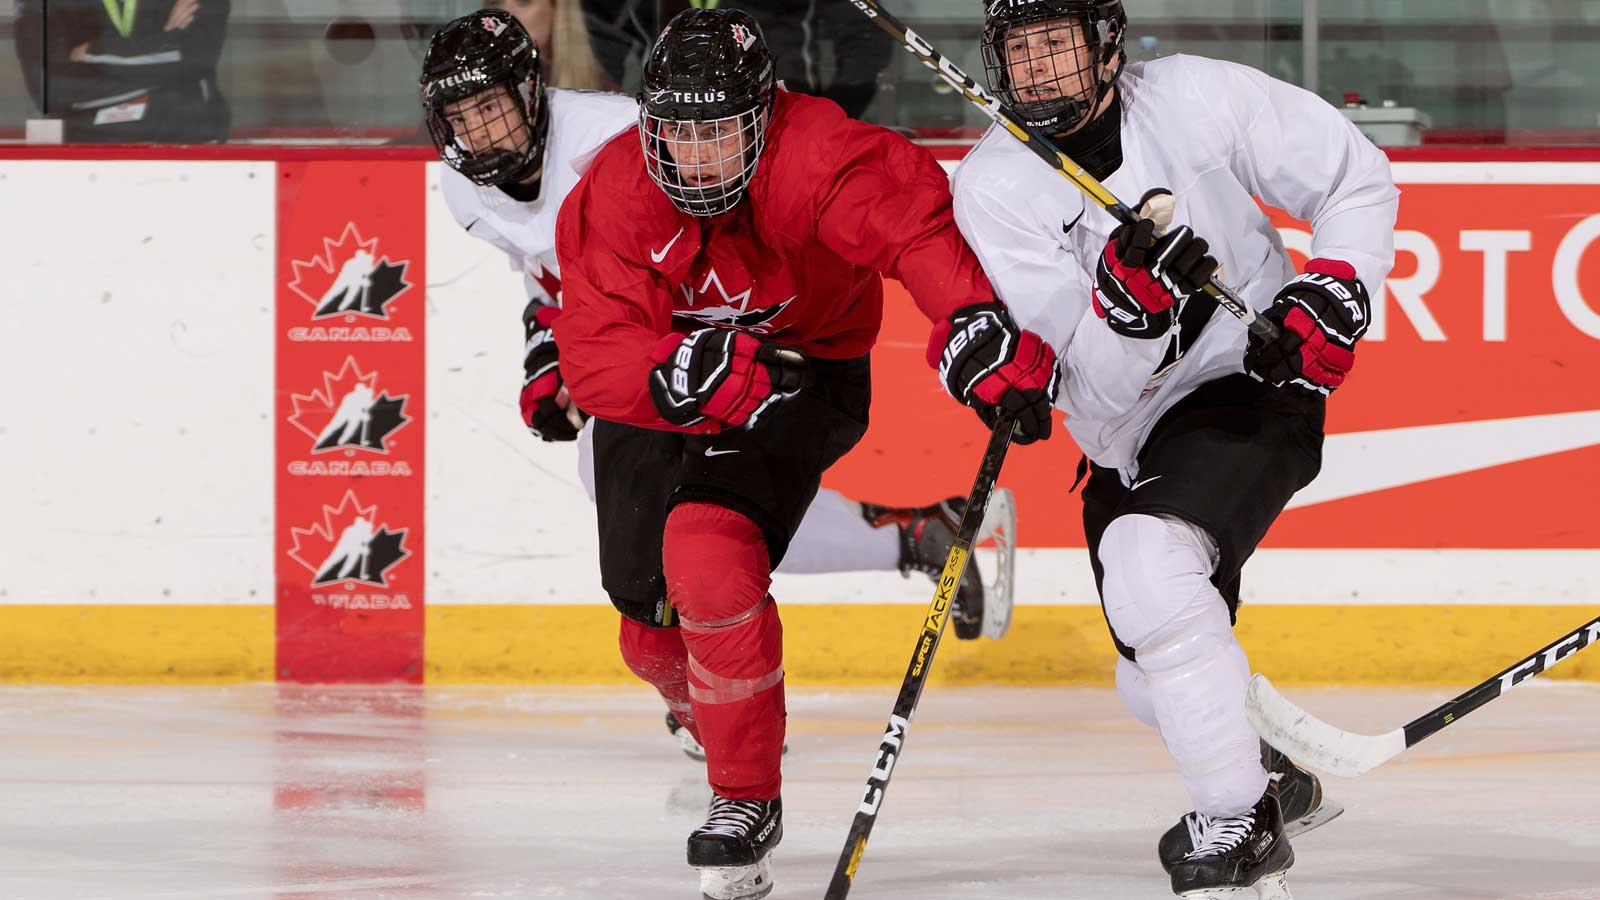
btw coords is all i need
(184, 491)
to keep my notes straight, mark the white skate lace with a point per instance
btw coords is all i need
(733, 818)
(1221, 834)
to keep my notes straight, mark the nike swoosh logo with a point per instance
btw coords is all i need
(1067, 228)
(658, 257)
(1364, 462)
(1142, 482)
(711, 452)
(472, 223)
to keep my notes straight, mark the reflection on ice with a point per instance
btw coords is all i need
(294, 793)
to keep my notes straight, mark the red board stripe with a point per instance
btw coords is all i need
(350, 421)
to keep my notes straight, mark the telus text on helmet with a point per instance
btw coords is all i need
(689, 96)
(465, 76)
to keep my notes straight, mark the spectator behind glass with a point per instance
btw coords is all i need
(558, 27)
(559, 31)
(619, 31)
(124, 70)
(822, 47)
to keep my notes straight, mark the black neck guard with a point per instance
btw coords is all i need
(1097, 146)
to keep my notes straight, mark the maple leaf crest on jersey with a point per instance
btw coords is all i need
(733, 311)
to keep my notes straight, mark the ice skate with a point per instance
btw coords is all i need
(1300, 795)
(691, 747)
(926, 533)
(1243, 857)
(1300, 798)
(732, 849)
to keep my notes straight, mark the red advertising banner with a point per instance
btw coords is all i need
(1470, 421)
(350, 421)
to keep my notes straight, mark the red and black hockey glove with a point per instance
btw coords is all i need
(546, 409)
(991, 365)
(1321, 315)
(1143, 280)
(726, 376)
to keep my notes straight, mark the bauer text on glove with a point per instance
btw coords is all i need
(1320, 315)
(725, 376)
(991, 365)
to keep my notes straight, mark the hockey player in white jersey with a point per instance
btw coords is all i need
(514, 149)
(1195, 435)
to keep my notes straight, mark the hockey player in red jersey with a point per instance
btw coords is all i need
(513, 149)
(722, 289)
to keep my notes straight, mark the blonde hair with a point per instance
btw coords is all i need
(573, 62)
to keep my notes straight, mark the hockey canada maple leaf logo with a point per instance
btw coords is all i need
(349, 544)
(730, 311)
(349, 277)
(349, 411)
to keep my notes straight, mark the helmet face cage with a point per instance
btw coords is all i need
(507, 120)
(705, 107)
(482, 84)
(1061, 50)
(704, 165)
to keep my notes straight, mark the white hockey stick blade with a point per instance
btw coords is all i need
(998, 536)
(1313, 743)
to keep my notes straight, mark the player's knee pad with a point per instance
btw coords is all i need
(1154, 567)
(718, 573)
(716, 565)
(1198, 632)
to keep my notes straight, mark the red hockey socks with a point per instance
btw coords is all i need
(718, 575)
(658, 657)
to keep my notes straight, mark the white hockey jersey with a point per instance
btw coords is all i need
(1217, 135)
(581, 122)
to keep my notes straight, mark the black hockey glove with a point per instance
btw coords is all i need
(1321, 315)
(991, 365)
(1143, 280)
(546, 409)
(725, 376)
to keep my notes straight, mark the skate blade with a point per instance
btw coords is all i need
(1318, 817)
(737, 882)
(999, 541)
(1270, 887)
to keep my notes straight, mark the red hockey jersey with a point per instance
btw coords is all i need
(834, 205)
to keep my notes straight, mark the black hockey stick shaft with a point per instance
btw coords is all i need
(905, 704)
(1535, 664)
(1043, 148)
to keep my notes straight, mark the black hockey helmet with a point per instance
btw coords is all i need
(707, 82)
(1060, 96)
(486, 55)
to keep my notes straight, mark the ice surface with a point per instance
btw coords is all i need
(296, 793)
